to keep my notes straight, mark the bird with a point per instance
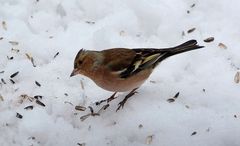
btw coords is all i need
(124, 69)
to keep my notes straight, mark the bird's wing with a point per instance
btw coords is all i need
(127, 62)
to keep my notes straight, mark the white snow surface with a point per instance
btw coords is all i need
(206, 113)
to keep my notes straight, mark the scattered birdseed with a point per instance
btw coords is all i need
(38, 96)
(170, 100)
(81, 144)
(4, 25)
(176, 96)
(19, 116)
(193, 5)
(194, 133)
(3, 81)
(222, 46)
(40, 103)
(140, 126)
(183, 33)
(65, 94)
(237, 77)
(191, 30)
(1, 38)
(12, 81)
(235, 116)
(56, 55)
(90, 22)
(15, 74)
(10, 58)
(13, 43)
(80, 108)
(15, 50)
(208, 40)
(30, 107)
(149, 139)
(68, 102)
(31, 59)
(1, 98)
(204, 90)
(37, 83)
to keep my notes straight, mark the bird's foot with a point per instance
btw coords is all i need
(122, 103)
(106, 100)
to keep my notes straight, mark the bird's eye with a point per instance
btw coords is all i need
(80, 62)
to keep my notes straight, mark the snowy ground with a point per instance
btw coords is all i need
(206, 113)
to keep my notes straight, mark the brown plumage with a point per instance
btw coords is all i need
(123, 69)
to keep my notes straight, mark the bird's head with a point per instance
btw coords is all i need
(85, 62)
(80, 62)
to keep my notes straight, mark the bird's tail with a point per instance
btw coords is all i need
(187, 46)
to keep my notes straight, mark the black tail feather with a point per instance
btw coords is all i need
(187, 46)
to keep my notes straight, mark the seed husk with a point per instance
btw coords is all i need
(149, 139)
(222, 46)
(237, 77)
(1, 98)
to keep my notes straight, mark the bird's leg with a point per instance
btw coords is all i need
(107, 100)
(121, 104)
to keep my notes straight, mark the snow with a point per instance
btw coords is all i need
(206, 112)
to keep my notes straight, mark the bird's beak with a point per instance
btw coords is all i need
(74, 72)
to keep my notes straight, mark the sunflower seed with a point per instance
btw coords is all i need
(176, 96)
(194, 133)
(19, 116)
(1, 72)
(56, 55)
(38, 96)
(193, 5)
(191, 30)
(208, 40)
(10, 58)
(81, 144)
(170, 100)
(3, 81)
(40, 103)
(4, 25)
(30, 107)
(12, 81)
(1, 38)
(15, 74)
(13, 43)
(37, 83)
(80, 108)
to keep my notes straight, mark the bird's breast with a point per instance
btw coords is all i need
(112, 82)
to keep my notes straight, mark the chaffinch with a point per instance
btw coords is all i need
(124, 69)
